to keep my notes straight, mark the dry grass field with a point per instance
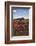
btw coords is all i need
(20, 27)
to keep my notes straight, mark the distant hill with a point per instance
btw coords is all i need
(25, 20)
(20, 19)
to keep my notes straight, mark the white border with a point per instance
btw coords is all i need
(30, 25)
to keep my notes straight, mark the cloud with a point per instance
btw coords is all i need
(14, 10)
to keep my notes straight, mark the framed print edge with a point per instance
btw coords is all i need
(7, 22)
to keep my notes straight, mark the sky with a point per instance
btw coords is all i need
(20, 12)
